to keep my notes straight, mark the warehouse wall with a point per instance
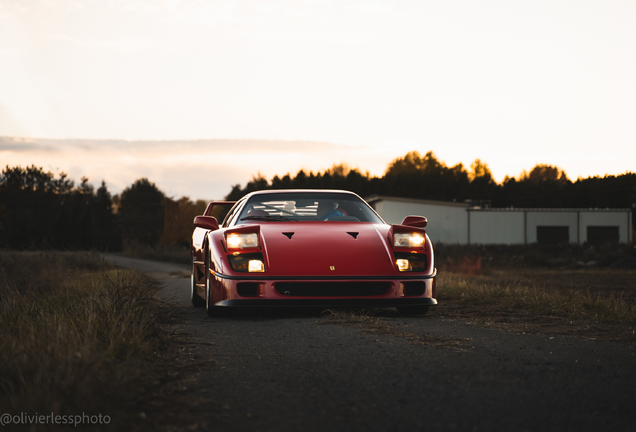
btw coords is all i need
(495, 227)
(606, 218)
(548, 218)
(457, 223)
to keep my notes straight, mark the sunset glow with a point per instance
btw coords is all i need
(277, 86)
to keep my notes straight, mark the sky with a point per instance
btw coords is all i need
(117, 90)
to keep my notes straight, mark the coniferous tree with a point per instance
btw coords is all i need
(142, 212)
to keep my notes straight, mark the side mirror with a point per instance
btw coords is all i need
(415, 221)
(206, 222)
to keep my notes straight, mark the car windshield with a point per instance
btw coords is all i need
(306, 206)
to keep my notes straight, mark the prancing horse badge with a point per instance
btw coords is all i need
(332, 267)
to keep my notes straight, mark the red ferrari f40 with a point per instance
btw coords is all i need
(319, 248)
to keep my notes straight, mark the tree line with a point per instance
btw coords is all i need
(41, 210)
(426, 177)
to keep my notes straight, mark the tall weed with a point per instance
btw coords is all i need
(611, 308)
(75, 335)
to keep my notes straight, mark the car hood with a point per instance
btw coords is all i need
(327, 249)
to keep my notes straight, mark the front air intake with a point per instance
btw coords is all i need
(415, 288)
(332, 289)
(247, 289)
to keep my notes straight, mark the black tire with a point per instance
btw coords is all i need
(211, 310)
(197, 301)
(412, 310)
(215, 311)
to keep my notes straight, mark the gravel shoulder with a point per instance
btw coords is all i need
(308, 371)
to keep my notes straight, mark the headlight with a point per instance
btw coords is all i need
(403, 264)
(408, 239)
(247, 263)
(241, 241)
(255, 266)
(410, 262)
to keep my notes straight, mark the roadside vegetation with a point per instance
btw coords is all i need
(76, 337)
(533, 297)
(588, 291)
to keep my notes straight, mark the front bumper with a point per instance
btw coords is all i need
(362, 291)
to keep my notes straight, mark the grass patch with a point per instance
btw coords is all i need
(75, 337)
(460, 258)
(538, 298)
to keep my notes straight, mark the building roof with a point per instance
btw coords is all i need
(547, 209)
(375, 198)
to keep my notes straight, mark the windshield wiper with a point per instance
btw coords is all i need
(272, 218)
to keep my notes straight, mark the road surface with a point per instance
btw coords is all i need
(302, 371)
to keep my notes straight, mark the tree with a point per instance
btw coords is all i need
(29, 205)
(413, 163)
(545, 173)
(282, 183)
(177, 227)
(39, 210)
(478, 169)
(425, 177)
(482, 185)
(544, 186)
(339, 176)
(142, 212)
(104, 229)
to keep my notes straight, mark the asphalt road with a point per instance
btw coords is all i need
(299, 371)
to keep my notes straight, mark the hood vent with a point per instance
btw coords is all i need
(288, 235)
(353, 234)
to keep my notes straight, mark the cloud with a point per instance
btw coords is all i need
(168, 147)
(17, 144)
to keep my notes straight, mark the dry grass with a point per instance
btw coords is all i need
(492, 257)
(580, 303)
(598, 304)
(565, 289)
(76, 337)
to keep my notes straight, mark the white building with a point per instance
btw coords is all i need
(462, 224)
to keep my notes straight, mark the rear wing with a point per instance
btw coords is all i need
(218, 209)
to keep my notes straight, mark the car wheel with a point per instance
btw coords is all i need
(412, 310)
(197, 301)
(210, 309)
(215, 311)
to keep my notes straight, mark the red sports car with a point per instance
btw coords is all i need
(322, 248)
